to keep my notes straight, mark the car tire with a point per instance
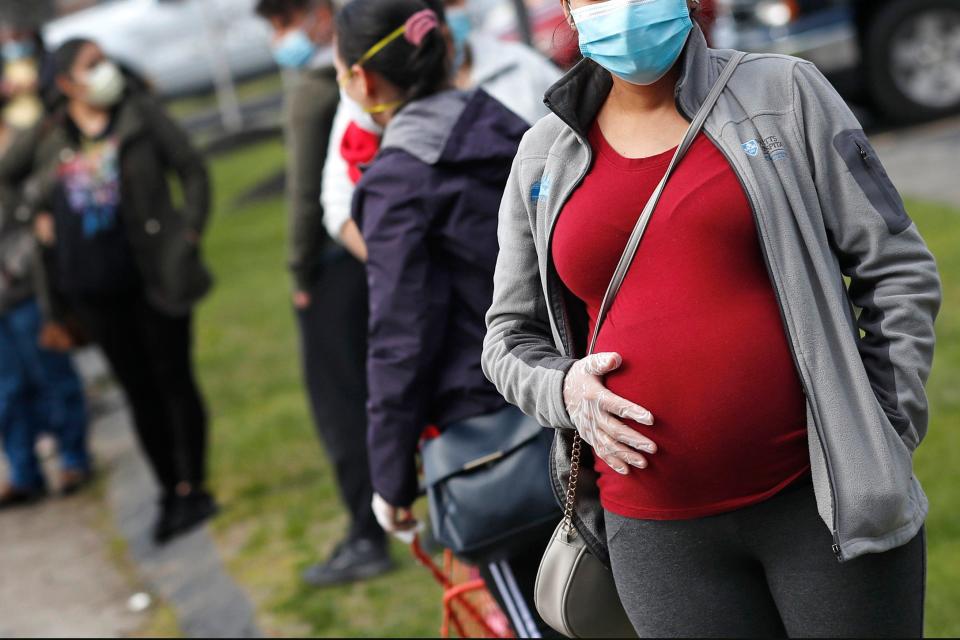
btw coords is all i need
(913, 76)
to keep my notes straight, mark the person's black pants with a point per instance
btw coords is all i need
(762, 571)
(150, 354)
(333, 347)
(512, 584)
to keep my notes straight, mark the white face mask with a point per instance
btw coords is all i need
(105, 84)
(357, 114)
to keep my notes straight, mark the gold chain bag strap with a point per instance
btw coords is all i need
(575, 593)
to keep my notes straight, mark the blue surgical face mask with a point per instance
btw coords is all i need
(461, 24)
(636, 40)
(295, 50)
(18, 49)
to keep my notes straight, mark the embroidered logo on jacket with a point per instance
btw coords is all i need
(541, 189)
(772, 148)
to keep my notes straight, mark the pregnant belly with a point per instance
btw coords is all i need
(729, 411)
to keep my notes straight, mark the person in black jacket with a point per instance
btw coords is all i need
(124, 259)
(427, 207)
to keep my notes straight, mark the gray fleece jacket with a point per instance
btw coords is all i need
(824, 209)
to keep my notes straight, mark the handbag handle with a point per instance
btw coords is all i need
(696, 125)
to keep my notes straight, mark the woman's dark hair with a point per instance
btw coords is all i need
(283, 8)
(66, 54)
(418, 71)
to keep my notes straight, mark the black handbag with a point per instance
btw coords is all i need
(488, 485)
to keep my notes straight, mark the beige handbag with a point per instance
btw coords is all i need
(575, 593)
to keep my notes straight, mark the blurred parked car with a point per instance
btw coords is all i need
(903, 55)
(175, 44)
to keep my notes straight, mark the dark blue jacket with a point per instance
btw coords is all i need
(427, 207)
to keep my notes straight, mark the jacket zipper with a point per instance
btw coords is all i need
(867, 160)
(835, 548)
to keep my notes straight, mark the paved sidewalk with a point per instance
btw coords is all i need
(187, 573)
(922, 160)
(57, 576)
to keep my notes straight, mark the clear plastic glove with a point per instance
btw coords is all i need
(598, 414)
(397, 521)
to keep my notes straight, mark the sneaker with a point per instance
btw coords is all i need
(182, 514)
(11, 496)
(351, 561)
(73, 480)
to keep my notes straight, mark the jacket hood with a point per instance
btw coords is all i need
(455, 127)
(577, 97)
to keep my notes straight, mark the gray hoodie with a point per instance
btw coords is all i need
(824, 209)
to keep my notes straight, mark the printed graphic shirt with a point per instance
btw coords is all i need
(94, 257)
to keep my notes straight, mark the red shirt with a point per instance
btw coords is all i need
(699, 329)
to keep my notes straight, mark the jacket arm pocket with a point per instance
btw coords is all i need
(893, 276)
(862, 161)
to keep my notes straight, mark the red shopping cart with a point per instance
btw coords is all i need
(468, 608)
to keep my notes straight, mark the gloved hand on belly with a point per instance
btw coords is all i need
(598, 414)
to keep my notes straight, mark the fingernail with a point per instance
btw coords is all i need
(649, 448)
(643, 416)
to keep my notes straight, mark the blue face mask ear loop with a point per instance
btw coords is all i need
(460, 25)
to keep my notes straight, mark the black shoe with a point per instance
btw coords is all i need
(11, 496)
(73, 480)
(351, 561)
(182, 514)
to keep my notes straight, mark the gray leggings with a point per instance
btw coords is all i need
(762, 571)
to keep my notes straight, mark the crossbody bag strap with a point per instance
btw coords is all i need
(631, 251)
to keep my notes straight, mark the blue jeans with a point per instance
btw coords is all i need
(39, 393)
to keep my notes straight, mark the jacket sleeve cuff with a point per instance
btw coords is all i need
(401, 497)
(560, 405)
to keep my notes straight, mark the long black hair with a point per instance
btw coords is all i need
(64, 58)
(418, 71)
(66, 55)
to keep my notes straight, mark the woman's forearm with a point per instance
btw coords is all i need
(352, 240)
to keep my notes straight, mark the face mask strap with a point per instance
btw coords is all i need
(383, 44)
(381, 108)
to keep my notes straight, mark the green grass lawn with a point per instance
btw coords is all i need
(268, 469)
(281, 509)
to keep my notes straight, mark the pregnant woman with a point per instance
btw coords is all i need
(752, 434)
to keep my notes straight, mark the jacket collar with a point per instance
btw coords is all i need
(423, 127)
(577, 97)
(127, 122)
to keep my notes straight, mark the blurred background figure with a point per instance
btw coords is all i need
(330, 293)
(515, 74)
(26, 73)
(40, 392)
(123, 258)
(39, 389)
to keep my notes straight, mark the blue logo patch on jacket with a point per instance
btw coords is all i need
(541, 189)
(771, 147)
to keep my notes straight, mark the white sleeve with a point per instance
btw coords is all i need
(336, 194)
